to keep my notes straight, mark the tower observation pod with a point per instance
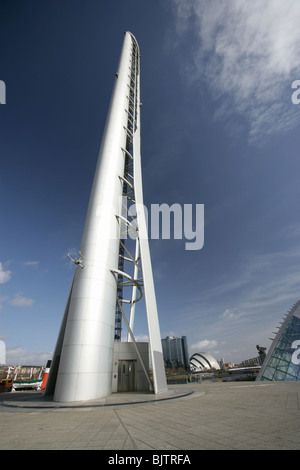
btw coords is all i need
(82, 363)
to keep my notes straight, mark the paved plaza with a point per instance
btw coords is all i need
(205, 416)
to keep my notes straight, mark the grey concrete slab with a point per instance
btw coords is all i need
(35, 399)
(216, 416)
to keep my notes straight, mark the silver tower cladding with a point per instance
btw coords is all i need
(83, 359)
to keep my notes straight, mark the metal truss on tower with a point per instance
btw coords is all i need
(128, 189)
(113, 271)
(133, 227)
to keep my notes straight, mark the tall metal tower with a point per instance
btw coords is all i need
(83, 359)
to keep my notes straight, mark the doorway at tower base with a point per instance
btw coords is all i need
(130, 363)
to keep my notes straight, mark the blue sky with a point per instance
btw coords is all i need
(219, 128)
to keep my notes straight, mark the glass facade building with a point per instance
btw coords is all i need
(283, 359)
(175, 352)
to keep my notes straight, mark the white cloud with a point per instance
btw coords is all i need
(248, 54)
(17, 355)
(32, 263)
(4, 275)
(21, 301)
(232, 315)
(2, 299)
(204, 345)
(142, 338)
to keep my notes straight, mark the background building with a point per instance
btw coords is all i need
(2, 352)
(258, 360)
(203, 361)
(175, 352)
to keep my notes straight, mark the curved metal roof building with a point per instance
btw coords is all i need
(203, 361)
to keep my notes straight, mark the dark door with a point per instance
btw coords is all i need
(126, 376)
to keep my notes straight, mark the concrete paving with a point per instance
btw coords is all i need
(204, 416)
